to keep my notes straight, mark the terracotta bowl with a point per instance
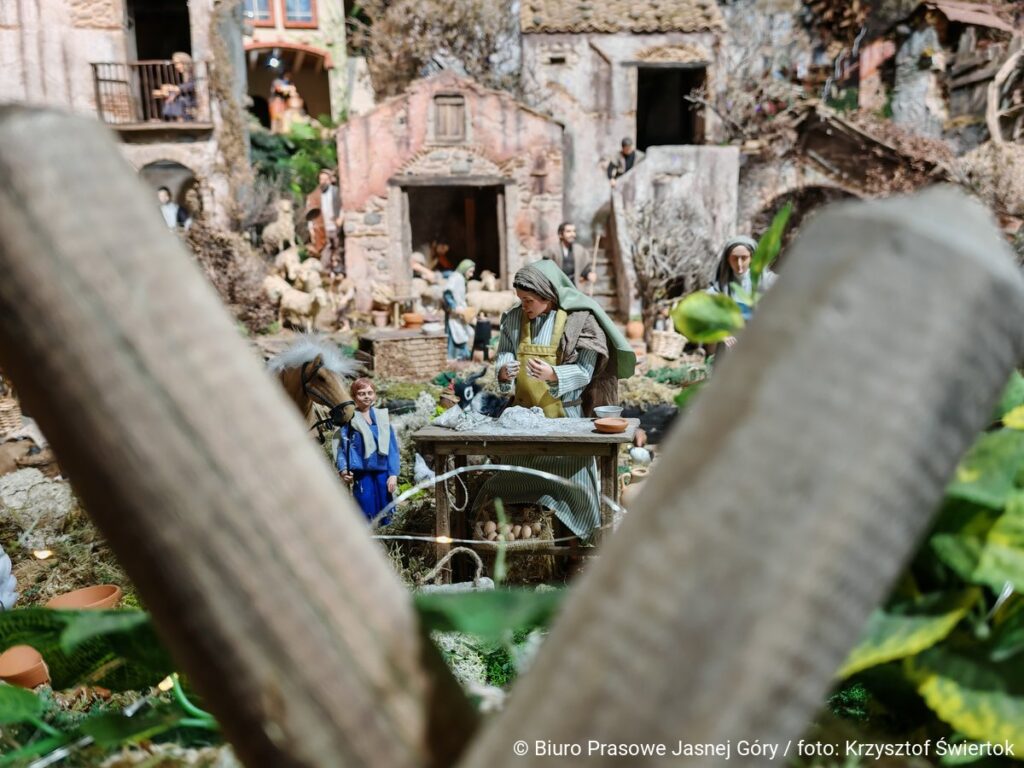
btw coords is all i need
(412, 319)
(22, 665)
(98, 597)
(610, 425)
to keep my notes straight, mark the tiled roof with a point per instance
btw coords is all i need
(610, 16)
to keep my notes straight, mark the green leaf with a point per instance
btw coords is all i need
(987, 474)
(959, 536)
(1002, 559)
(982, 700)
(87, 625)
(112, 729)
(707, 318)
(1014, 418)
(902, 631)
(489, 614)
(126, 660)
(1008, 637)
(1013, 396)
(688, 393)
(770, 244)
(18, 705)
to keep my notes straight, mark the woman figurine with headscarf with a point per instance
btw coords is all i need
(560, 352)
(456, 311)
(734, 270)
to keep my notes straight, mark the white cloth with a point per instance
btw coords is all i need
(362, 426)
(327, 209)
(170, 213)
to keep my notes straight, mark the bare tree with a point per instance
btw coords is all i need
(407, 39)
(672, 252)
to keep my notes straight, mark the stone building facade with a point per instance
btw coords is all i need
(308, 39)
(84, 56)
(619, 68)
(451, 161)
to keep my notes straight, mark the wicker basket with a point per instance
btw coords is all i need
(10, 415)
(667, 344)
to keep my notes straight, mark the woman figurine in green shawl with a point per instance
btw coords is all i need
(558, 351)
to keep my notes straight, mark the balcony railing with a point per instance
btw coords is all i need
(152, 94)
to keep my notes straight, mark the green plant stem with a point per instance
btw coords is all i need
(40, 747)
(188, 706)
(45, 727)
(199, 722)
(499, 559)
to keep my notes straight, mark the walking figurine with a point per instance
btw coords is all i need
(369, 459)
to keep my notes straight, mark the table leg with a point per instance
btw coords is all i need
(442, 520)
(609, 487)
(458, 522)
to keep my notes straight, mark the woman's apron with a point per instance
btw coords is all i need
(535, 392)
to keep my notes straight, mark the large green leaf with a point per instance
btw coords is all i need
(982, 700)
(1008, 636)
(959, 536)
(770, 244)
(988, 472)
(87, 625)
(707, 318)
(18, 705)
(907, 629)
(1013, 396)
(128, 659)
(1002, 559)
(112, 729)
(489, 614)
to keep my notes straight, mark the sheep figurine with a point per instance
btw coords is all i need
(280, 233)
(299, 308)
(491, 302)
(287, 264)
(274, 287)
(8, 584)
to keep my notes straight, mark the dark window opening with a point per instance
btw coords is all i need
(449, 118)
(466, 218)
(161, 28)
(261, 109)
(556, 60)
(663, 115)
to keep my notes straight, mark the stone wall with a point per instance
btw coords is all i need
(506, 145)
(587, 82)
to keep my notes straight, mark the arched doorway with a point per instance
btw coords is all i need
(807, 201)
(306, 66)
(179, 181)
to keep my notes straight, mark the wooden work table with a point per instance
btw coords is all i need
(567, 437)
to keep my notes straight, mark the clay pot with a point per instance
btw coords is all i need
(638, 474)
(99, 597)
(380, 318)
(412, 320)
(610, 426)
(634, 329)
(23, 666)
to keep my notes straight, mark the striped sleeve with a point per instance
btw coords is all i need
(508, 341)
(576, 376)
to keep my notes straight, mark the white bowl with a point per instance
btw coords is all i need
(608, 411)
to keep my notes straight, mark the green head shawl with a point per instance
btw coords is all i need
(464, 266)
(571, 300)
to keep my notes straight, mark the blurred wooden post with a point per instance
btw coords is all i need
(790, 498)
(258, 571)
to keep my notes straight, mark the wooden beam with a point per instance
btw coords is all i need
(300, 59)
(258, 569)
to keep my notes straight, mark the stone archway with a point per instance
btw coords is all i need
(807, 201)
(180, 180)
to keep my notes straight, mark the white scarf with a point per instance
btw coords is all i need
(362, 426)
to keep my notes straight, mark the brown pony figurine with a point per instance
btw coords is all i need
(313, 372)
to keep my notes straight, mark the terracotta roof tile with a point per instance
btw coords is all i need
(610, 16)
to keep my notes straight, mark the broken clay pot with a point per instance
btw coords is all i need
(22, 665)
(99, 597)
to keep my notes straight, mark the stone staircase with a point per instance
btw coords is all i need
(606, 289)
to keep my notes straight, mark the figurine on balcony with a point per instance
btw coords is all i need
(180, 99)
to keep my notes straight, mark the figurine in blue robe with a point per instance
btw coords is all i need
(368, 453)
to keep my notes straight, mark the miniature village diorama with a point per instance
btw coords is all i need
(475, 260)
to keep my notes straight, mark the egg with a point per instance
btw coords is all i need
(492, 536)
(516, 529)
(526, 532)
(490, 527)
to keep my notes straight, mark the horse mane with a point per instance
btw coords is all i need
(306, 348)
